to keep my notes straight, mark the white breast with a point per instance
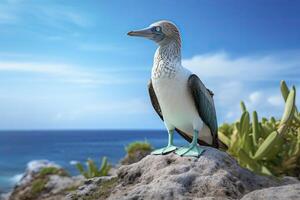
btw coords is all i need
(177, 105)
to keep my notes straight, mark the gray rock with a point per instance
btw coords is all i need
(135, 157)
(56, 183)
(287, 192)
(215, 175)
(33, 167)
(91, 188)
(4, 196)
(51, 185)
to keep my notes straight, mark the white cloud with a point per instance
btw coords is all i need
(252, 79)
(124, 107)
(255, 97)
(50, 14)
(46, 68)
(6, 18)
(264, 67)
(276, 100)
(68, 73)
(60, 14)
(99, 47)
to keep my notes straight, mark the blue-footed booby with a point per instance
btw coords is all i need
(178, 96)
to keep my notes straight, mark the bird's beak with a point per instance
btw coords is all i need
(147, 33)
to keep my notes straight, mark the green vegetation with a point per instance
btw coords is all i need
(102, 191)
(92, 169)
(105, 189)
(38, 186)
(52, 170)
(41, 179)
(136, 151)
(138, 146)
(270, 147)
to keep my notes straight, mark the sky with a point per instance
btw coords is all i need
(70, 64)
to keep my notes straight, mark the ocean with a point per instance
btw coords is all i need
(17, 148)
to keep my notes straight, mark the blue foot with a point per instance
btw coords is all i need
(164, 150)
(192, 150)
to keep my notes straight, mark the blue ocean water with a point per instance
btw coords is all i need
(17, 148)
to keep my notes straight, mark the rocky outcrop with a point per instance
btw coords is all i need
(4, 196)
(287, 192)
(214, 175)
(136, 151)
(134, 157)
(44, 180)
(95, 188)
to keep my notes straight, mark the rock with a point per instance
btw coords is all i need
(4, 196)
(95, 188)
(287, 192)
(215, 175)
(34, 167)
(135, 157)
(44, 180)
(58, 183)
(136, 151)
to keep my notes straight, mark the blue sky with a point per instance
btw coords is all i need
(70, 64)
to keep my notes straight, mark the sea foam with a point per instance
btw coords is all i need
(16, 178)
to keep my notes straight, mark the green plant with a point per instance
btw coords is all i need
(271, 146)
(52, 170)
(92, 169)
(136, 151)
(138, 146)
(38, 186)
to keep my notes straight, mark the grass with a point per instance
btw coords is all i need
(37, 186)
(138, 146)
(51, 171)
(92, 170)
(107, 187)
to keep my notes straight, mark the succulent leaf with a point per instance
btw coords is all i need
(243, 107)
(288, 111)
(266, 150)
(255, 128)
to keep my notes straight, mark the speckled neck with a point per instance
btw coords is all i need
(167, 61)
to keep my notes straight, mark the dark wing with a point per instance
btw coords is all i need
(205, 105)
(210, 92)
(156, 107)
(154, 100)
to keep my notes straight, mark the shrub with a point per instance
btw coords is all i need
(38, 186)
(138, 146)
(52, 170)
(136, 151)
(271, 146)
(92, 169)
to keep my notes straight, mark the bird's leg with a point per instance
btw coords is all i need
(169, 148)
(193, 149)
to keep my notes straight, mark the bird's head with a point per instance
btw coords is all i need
(162, 32)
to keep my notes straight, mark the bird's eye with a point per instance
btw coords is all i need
(158, 29)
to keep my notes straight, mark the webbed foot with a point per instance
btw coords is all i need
(164, 150)
(192, 150)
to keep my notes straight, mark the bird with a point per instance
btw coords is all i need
(177, 95)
